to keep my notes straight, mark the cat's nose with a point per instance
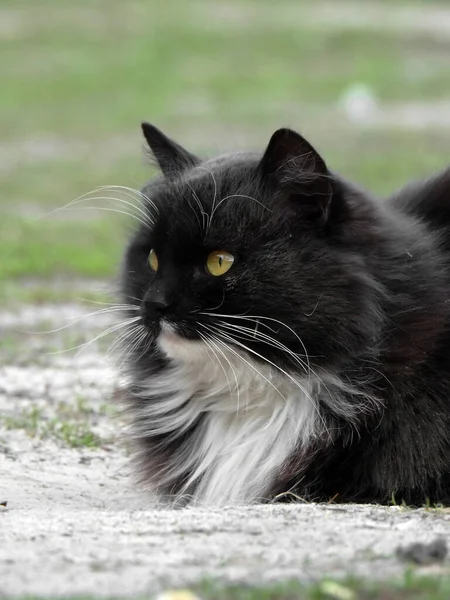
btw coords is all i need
(157, 307)
(157, 302)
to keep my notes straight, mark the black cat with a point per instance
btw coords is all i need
(289, 333)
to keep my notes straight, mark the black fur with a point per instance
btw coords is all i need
(364, 284)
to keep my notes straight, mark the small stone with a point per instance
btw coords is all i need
(337, 590)
(359, 102)
(424, 554)
(177, 595)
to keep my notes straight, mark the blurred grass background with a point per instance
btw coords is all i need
(367, 82)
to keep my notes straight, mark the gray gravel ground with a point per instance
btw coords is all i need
(76, 524)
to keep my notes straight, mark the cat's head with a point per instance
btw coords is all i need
(254, 252)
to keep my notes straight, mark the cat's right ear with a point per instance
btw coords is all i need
(296, 169)
(170, 156)
(288, 152)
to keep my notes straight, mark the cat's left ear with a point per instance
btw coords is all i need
(170, 156)
(293, 166)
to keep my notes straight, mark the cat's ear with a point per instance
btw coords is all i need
(293, 166)
(169, 155)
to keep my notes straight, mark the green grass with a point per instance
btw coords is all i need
(118, 62)
(412, 587)
(78, 78)
(70, 426)
(67, 248)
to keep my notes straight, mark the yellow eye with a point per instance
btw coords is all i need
(153, 260)
(219, 262)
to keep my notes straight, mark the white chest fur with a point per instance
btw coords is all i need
(253, 418)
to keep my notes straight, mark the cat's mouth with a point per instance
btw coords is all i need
(168, 331)
(177, 346)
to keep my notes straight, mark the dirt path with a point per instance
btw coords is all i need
(76, 524)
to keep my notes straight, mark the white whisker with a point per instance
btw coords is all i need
(140, 215)
(219, 338)
(101, 335)
(201, 208)
(141, 334)
(75, 320)
(144, 218)
(236, 196)
(210, 341)
(264, 318)
(208, 222)
(247, 333)
(288, 375)
(134, 192)
(132, 330)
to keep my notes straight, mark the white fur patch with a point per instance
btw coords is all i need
(254, 418)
